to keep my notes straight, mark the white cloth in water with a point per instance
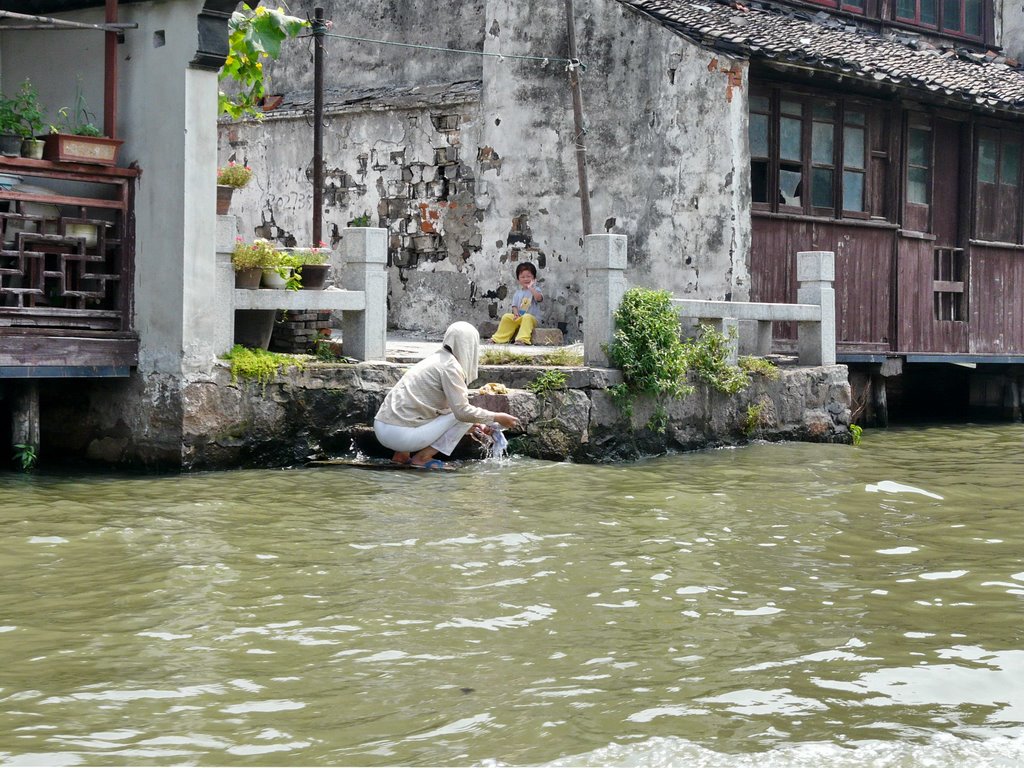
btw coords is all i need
(499, 443)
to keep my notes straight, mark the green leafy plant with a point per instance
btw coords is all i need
(234, 175)
(253, 36)
(311, 255)
(548, 382)
(755, 418)
(78, 121)
(287, 265)
(708, 356)
(259, 253)
(647, 348)
(30, 112)
(856, 432)
(760, 367)
(10, 122)
(360, 221)
(659, 419)
(259, 365)
(326, 352)
(25, 456)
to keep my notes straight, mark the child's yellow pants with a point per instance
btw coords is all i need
(525, 323)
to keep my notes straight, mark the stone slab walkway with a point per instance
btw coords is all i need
(409, 347)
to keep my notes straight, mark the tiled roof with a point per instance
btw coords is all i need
(828, 43)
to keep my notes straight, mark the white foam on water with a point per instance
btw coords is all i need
(943, 751)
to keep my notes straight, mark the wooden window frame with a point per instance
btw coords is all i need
(774, 166)
(985, 24)
(1003, 135)
(841, 5)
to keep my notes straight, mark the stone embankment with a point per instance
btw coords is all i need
(327, 411)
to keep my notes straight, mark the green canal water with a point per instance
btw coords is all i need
(772, 605)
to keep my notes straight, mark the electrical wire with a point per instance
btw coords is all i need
(570, 64)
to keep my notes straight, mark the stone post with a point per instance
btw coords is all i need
(364, 252)
(220, 320)
(816, 342)
(605, 259)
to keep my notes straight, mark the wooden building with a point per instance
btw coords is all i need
(889, 132)
(107, 269)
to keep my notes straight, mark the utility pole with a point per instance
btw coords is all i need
(577, 113)
(319, 28)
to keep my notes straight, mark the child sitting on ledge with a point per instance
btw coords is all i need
(525, 314)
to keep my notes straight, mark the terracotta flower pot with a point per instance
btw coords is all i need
(248, 278)
(224, 193)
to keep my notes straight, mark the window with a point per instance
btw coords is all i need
(948, 284)
(919, 165)
(958, 17)
(851, 6)
(997, 174)
(813, 155)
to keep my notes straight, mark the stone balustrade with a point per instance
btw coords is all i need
(362, 302)
(815, 312)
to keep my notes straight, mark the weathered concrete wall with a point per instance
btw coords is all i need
(1010, 27)
(472, 179)
(366, 64)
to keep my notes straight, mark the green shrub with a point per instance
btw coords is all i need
(708, 355)
(647, 348)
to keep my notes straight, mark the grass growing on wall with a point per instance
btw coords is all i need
(556, 357)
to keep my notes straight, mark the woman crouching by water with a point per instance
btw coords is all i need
(428, 410)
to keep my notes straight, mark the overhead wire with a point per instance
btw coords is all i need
(545, 60)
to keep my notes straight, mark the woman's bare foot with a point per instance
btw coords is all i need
(423, 456)
(401, 457)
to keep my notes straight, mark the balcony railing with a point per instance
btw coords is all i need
(67, 260)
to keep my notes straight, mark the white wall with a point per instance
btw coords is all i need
(168, 118)
(667, 153)
(1010, 27)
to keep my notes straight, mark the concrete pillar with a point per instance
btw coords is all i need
(364, 252)
(25, 414)
(219, 323)
(816, 342)
(605, 283)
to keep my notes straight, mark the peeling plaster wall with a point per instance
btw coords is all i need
(480, 178)
(1010, 27)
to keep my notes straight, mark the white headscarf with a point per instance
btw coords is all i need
(463, 341)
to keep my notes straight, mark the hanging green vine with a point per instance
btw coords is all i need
(253, 35)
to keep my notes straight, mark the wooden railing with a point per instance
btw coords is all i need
(66, 264)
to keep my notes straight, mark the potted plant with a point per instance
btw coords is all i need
(250, 259)
(75, 137)
(282, 273)
(30, 113)
(10, 127)
(312, 266)
(229, 178)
